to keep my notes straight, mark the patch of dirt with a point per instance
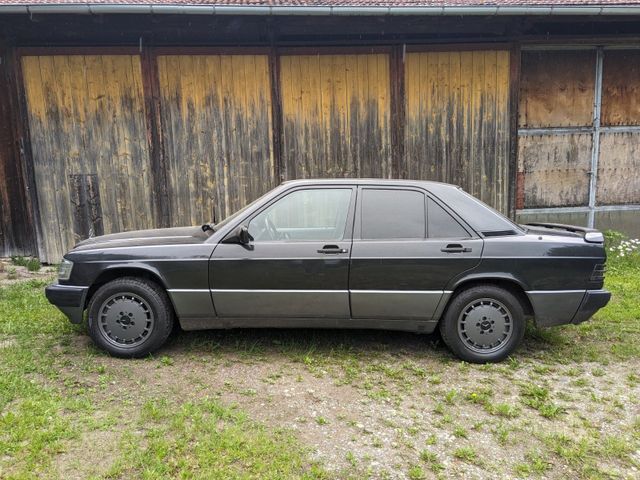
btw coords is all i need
(375, 406)
(7, 342)
(90, 455)
(10, 273)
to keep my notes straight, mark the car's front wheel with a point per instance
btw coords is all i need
(130, 317)
(483, 324)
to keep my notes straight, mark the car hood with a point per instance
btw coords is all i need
(138, 238)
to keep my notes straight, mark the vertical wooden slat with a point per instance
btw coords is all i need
(17, 231)
(455, 135)
(397, 126)
(218, 114)
(514, 191)
(466, 72)
(86, 116)
(457, 120)
(155, 131)
(476, 161)
(336, 111)
(276, 114)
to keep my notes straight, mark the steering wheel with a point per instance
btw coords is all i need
(271, 229)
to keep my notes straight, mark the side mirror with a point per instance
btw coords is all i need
(242, 232)
(240, 235)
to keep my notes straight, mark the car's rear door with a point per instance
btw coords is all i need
(297, 264)
(406, 248)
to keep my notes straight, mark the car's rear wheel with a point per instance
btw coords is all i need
(483, 324)
(130, 317)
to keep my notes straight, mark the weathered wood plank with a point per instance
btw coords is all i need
(504, 131)
(618, 167)
(555, 169)
(336, 115)
(621, 88)
(16, 227)
(216, 110)
(457, 121)
(86, 116)
(557, 88)
(85, 201)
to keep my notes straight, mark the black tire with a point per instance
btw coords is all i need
(130, 317)
(483, 324)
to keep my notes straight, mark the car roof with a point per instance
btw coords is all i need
(368, 181)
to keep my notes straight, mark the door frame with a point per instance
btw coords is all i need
(337, 297)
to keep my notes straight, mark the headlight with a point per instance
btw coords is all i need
(64, 272)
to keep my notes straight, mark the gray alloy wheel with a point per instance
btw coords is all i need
(484, 323)
(130, 317)
(125, 320)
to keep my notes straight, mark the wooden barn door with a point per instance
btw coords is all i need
(335, 113)
(457, 121)
(89, 146)
(216, 116)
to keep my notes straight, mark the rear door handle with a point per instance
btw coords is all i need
(455, 248)
(332, 250)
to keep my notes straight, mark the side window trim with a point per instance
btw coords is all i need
(357, 230)
(348, 229)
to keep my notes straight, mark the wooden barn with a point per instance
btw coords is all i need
(118, 115)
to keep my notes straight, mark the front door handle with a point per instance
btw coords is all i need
(332, 250)
(455, 248)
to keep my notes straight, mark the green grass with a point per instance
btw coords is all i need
(467, 454)
(207, 440)
(37, 415)
(32, 264)
(539, 398)
(614, 332)
(43, 413)
(516, 405)
(534, 465)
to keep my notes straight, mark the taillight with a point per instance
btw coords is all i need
(594, 237)
(598, 272)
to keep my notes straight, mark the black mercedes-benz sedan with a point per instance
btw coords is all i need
(384, 254)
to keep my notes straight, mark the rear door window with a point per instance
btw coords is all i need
(392, 213)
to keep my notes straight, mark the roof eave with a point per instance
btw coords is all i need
(97, 9)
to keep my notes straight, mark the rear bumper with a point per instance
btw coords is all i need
(70, 299)
(593, 301)
(559, 307)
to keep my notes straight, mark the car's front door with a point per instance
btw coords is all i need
(297, 263)
(406, 248)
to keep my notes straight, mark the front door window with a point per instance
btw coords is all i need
(304, 215)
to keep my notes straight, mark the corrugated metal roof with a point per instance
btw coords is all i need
(335, 3)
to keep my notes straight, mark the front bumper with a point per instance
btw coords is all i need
(70, 299)
(593, 301)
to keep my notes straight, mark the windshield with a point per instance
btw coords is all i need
(222, 223)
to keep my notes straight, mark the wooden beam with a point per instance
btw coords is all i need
(396, 73)
(25, 199)
(155, 138)
(514, 92)
(276, 115)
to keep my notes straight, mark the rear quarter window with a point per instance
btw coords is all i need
(480, 216)
(442, 225)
